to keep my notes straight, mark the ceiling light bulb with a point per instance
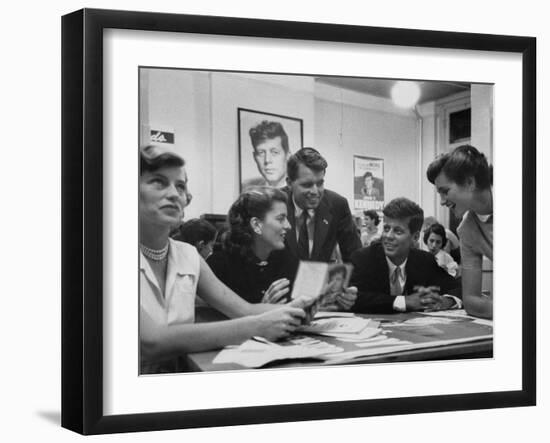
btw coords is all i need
(405, 94)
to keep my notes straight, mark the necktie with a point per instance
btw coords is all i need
(395, 283)
(303, 239)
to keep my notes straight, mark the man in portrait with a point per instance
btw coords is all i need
(369, 191)
(271, 152)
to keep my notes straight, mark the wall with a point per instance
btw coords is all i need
(229, 92)
(201, 108)
(482, 119)
(343, 130)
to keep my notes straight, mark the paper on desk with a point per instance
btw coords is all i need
(387, 342)
(423, 321)
(361, 336)
(350, 356)
(253, 354)
(327, 314)
(459, 313)
(340, 325)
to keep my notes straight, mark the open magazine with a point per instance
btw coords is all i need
(321, 281)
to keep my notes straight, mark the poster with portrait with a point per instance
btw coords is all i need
(368, 183)
(265, 142)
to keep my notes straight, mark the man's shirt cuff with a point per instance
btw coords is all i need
(399, 304)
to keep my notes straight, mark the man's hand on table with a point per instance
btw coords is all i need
(428, 299)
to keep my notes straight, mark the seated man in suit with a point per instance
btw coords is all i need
(393, 276)
(320, 219)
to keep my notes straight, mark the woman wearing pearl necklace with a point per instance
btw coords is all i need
(172, 273)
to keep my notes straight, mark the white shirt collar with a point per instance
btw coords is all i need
(392, 266)
(483, 218)
(298, 211)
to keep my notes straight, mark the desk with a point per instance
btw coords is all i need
(432, 338)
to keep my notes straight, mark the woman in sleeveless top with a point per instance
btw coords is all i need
(172, 273)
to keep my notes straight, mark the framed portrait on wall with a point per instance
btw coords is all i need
(265, 142)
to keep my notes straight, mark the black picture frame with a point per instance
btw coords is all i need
(82, 230)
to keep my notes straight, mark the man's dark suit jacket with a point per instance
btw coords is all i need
(371, 276)
(333, 224)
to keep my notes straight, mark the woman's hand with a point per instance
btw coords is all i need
(310, 306)
(279, 323)
(276, 291)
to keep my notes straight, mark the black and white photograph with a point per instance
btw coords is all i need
(229, 297)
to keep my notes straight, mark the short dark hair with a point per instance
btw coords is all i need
(401, 208)
(374, 215)
(461, 163)
(155, 157)
(437, 229)
(308, 157)
(368, 174)
(195, 230)
(267, 130)
(254, 202)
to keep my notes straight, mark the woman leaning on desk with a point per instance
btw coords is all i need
(463, 179)
(172, 273)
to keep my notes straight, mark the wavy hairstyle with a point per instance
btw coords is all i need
(402, 208)
(254, 202)
(461, 163)
(374, 215)
(155, 157)
(437, 229)
(309, 157)
(267, 130)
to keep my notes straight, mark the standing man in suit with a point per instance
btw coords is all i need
(320, 218)
(393, 276)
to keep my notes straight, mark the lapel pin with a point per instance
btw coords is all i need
(325, 221)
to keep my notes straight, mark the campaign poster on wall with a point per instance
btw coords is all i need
(368, 182)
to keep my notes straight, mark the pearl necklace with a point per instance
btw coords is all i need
(155, 254)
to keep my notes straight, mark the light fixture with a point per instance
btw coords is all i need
(405, 94)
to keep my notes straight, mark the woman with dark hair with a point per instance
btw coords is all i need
(371, 234)
(463, 179)
(435, 239)
(199, 233)
(172, 273)
(258, 225)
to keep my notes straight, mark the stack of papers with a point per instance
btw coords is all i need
(258, 351)
(343, 326)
